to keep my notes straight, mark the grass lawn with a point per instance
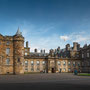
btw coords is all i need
(84, 74)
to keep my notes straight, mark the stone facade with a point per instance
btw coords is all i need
(17, 59)
(85, 57)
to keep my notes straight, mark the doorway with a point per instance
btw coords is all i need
(53, 70)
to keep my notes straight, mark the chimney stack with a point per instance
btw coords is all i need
(27, 44)
(75, 44)
(67, 47)
(35, 50)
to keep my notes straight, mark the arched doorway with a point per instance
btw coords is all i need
(53, 70)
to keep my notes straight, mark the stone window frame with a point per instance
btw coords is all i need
(32, 63)
(59, 62)
(8, 43)
(26, 63)
(78, 63)
(43, 62)
(69, 63)
(38, 62)
(26, 53)
(38, 68)
(64, 63)
(7, 51)
(32, 68)
(64, 69)
(26, 68)
(69, 69)
(74, 63)
(26, 50)
(7, 61)
(82, 55)
(18, 60)
(88, 54)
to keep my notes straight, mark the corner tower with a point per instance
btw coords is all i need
(18, 52)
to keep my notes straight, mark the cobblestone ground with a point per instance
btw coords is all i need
(41, 78)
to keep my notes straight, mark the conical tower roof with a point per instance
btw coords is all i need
(18, 32)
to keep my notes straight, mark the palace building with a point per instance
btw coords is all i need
(17, 59)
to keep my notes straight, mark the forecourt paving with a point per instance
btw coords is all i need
(36, 78)
(44, 81)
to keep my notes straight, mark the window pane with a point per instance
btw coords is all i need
(26, 62)
(32, 62)
(37, 62)
(8, 43)
(7, 50)
(25, 54)
(43, 62)
(64, 63)
(69, 63)
(7, 61)
(58, 62)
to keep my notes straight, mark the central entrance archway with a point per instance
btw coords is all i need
(53, 70)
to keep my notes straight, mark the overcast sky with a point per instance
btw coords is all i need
(47, 24)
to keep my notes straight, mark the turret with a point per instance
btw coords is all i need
(18, 52)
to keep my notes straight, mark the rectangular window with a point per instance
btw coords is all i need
(82, 55)
(88, 54)
(8, 51)
(32, 69)
(18, 60)
(73, 63)
(8, 43)
(25, 49)
(38, 62)
(25, 54)
(7, 61)
(69, 63)
(43, 62)
(78, 63)
(58, 62)
(64, 63)
(32, 62)
(38, 69)
(64, 69)
(26, 63)
(69, 69)
(26, 68)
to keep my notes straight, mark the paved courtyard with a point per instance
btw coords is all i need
(44, 81)
(36, 78)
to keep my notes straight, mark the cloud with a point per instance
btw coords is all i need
(64, 38)
(80, 37)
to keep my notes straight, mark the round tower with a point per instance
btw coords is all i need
(18, 52)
